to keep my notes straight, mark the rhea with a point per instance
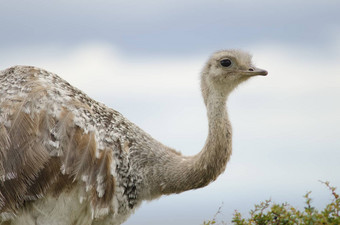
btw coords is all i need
(68, 159)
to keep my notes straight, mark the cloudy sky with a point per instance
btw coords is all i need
(143, 58)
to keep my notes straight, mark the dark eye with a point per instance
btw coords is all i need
(225, 62)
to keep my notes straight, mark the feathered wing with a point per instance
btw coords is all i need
(43, 150)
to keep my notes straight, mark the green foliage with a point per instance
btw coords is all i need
(269, 213)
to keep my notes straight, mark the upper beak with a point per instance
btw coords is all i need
(256, 71)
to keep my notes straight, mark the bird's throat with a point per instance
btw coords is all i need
(197, 171)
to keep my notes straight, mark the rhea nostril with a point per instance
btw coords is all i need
(251, 69)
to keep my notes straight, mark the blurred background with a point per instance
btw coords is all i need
(143, 58)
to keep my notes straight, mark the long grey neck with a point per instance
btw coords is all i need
(182, 173)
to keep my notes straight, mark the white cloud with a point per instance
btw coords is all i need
(99, 68)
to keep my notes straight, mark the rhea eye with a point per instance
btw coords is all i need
(225, 62)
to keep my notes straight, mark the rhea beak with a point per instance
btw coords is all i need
(255, 71)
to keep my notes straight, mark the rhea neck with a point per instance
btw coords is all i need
(185, 173)
(218, 146)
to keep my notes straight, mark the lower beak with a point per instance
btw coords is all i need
(255, 72)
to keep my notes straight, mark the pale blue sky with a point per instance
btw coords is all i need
(143, 58)
(163, 27)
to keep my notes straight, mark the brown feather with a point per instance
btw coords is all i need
(107, 181)
(42, 152)
(5, 142)
(25, 157)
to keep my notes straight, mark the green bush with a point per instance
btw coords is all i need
(268, 213)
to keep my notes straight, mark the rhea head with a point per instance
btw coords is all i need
(225, 70)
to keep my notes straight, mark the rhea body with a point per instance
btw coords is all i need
(67, 159)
